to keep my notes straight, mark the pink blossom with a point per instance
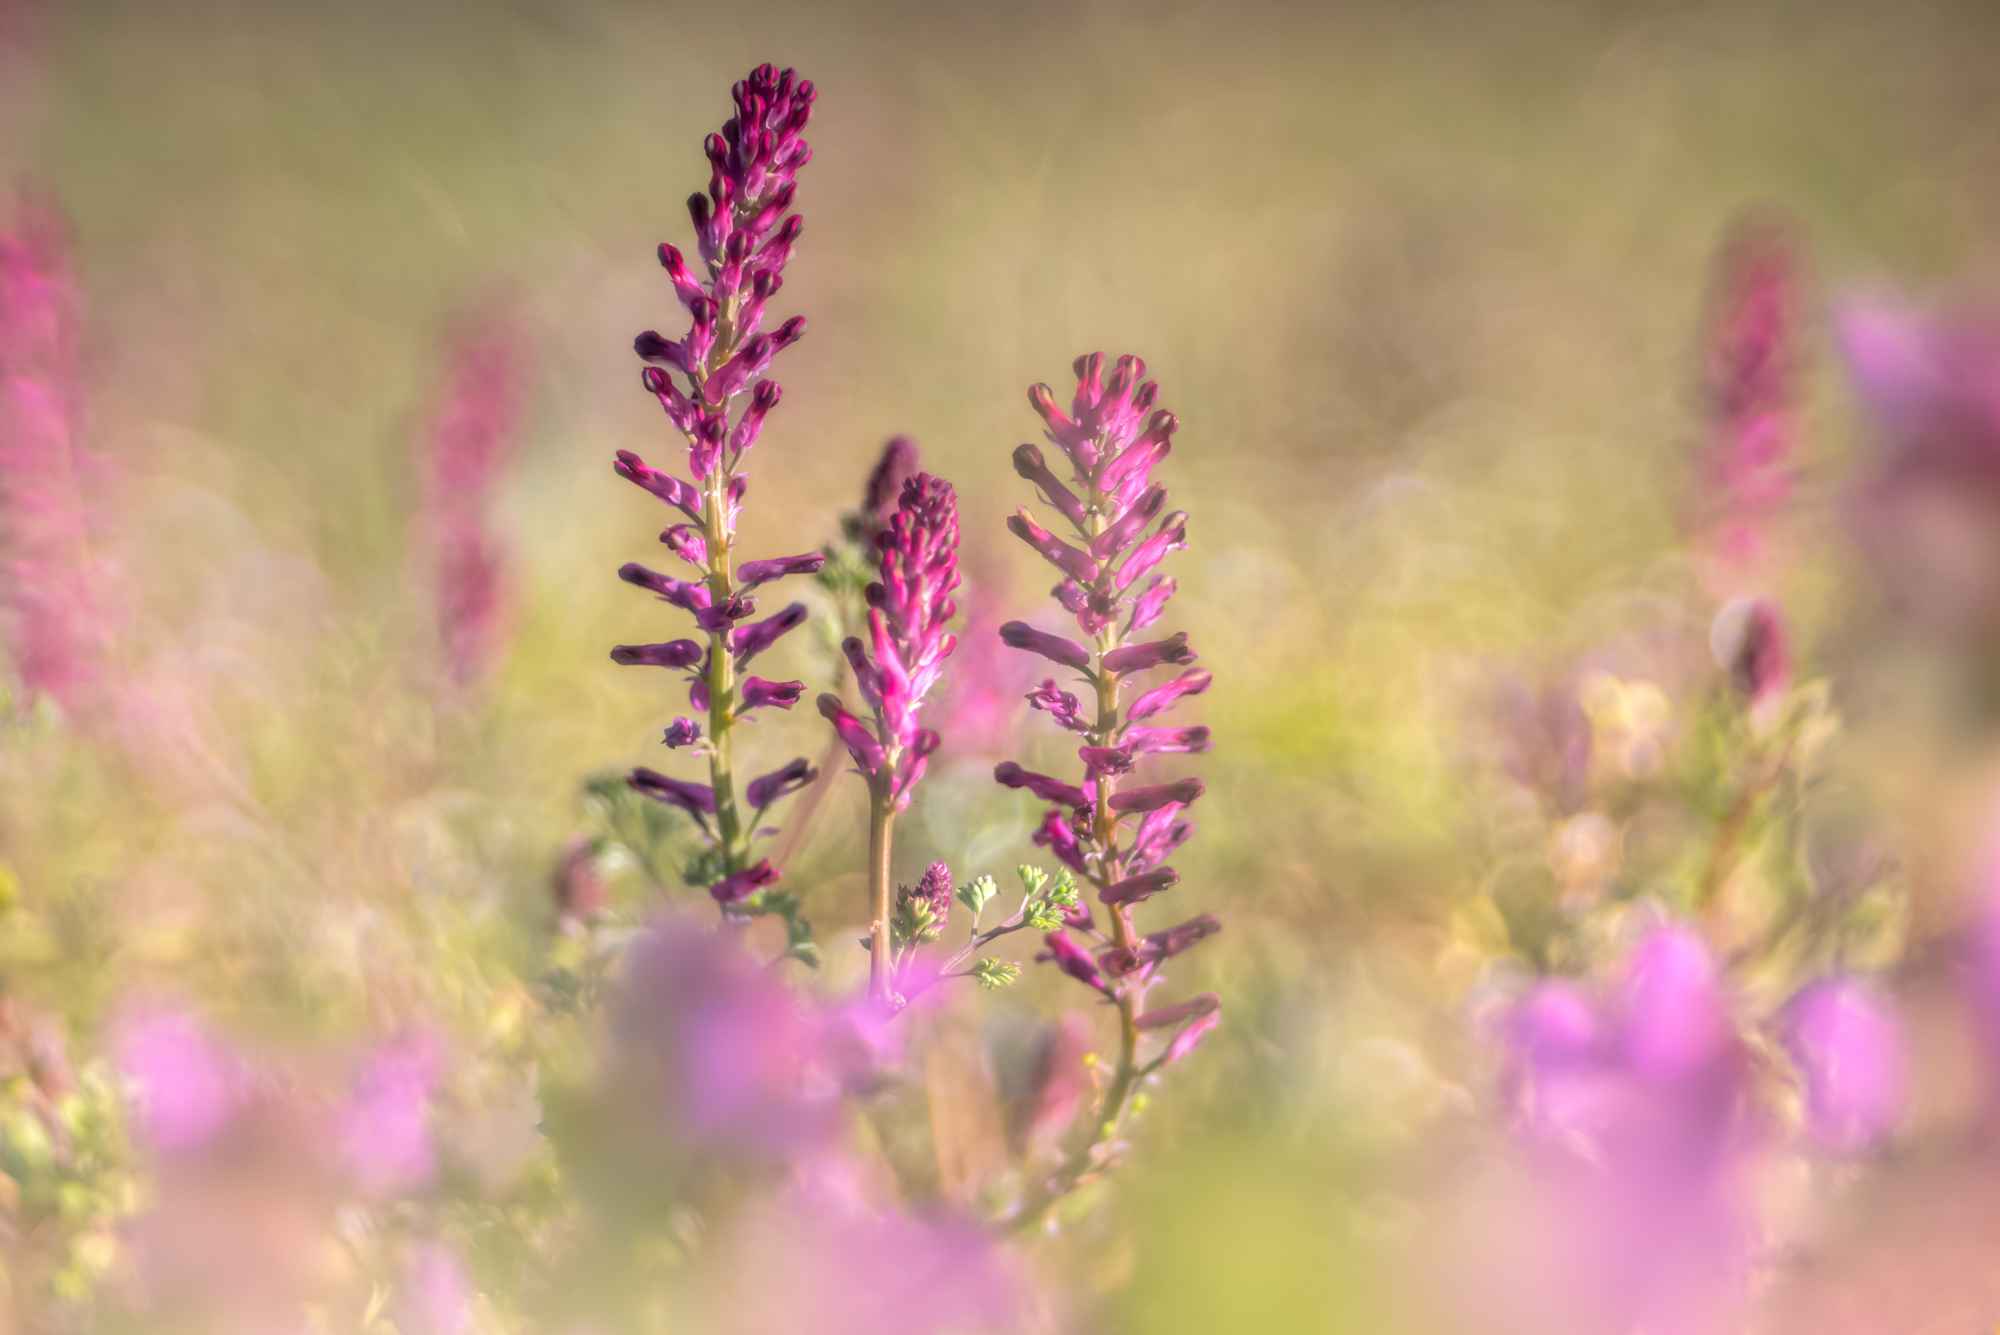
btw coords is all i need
(473, 433)
(187, 1085)
(384, 1129)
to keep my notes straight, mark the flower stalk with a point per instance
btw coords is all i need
(1116, 838)
(744, 233)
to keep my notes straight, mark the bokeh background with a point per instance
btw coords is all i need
(1425, 284)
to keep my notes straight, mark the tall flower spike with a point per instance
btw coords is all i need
(1113, 437)
(53, 597)
(744, 236)
(908, 609)
(1746, 475)
(470, 441)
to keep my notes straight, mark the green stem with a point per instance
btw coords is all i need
(881, 832)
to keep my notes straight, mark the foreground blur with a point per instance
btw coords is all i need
(1591, 427)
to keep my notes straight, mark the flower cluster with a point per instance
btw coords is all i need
(909, 607)
(908, 610)
(1117, 837)
(744, 234)
(1641, 1104)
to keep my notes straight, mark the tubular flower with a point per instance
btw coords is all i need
(908, 608)
(710, 384)
(1114, 436)
(52, 588)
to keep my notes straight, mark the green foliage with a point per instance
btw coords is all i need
(993, 974)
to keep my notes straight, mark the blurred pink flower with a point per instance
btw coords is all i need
(1635, 1110)
(1748, 375)
(186, 1084)
(435, 1297)
(384, 1128)
(52, 585)
(1927, 510)
(738, 1051)
(1845, 1040)
(471, 441)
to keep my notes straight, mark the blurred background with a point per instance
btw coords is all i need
(1430, 288)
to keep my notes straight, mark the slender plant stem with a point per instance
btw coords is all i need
(881, 832)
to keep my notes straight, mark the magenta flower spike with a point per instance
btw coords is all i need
(908, 609)
(469, 445)
(1120, 821)
(709, 383)
(1748, 388)
(53, 585)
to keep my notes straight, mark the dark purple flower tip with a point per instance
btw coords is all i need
(753, 573)
(684, 594)
(1146, 608)
(749, 641)
(663, 485)
(1077, 564)
(1144, 657)
(1138, 889)
(655, 347)
(1152, 799)
(1028, 462)
(1055, 834)
(686, 286)
(854, 734)
(686, 542)
(934, 889)
(768, 788)
(1163, 741)
(1041, 785)
(683, 732)
(1060, 705)
(1167, 694)
(674, 654)
(1105, 761)
(1193, 1008)
(756, 693)
(885, 481)
(1020, 635)
(696, 799)
(1748, 639)
(1074, 960)
(681, 410)
(764, 396)
(740, 886)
